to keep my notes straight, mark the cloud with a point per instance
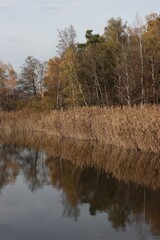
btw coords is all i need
(29, 5)
(8, 5)
(48, 8)
(35, 5)
(5, 8)
(45, 8)
(47, 5)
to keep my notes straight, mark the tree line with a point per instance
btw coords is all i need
(119, 67)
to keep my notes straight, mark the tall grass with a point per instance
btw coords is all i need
(128, 127)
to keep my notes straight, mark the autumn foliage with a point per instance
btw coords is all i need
(119, 67)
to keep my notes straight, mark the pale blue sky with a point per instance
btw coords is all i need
(29, 27)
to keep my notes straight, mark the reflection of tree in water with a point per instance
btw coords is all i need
(34, 169)
(64, 176)
(124, 203)
(69, 210)
(88, 185)
(8, 167)
(28, 162)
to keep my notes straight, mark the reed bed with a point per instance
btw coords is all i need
(128, 127)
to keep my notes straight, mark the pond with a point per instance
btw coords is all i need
(54, 192)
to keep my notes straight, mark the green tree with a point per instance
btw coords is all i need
(95, 65)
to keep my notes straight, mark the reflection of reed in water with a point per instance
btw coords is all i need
(124, 203)
(127, 165)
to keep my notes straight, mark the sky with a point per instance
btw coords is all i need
(29, 27)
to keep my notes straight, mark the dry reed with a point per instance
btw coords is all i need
(128, 127)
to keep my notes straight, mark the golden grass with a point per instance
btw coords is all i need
(128, 127)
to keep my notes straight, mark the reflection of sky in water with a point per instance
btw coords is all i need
(28, 153)
(39, 214)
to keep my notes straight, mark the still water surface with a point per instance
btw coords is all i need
(44, 196)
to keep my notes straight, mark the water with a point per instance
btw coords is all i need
(43, 195)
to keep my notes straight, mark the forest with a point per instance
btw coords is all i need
(116, 68)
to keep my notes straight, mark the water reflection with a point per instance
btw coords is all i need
(87, 182)
(127, 165)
